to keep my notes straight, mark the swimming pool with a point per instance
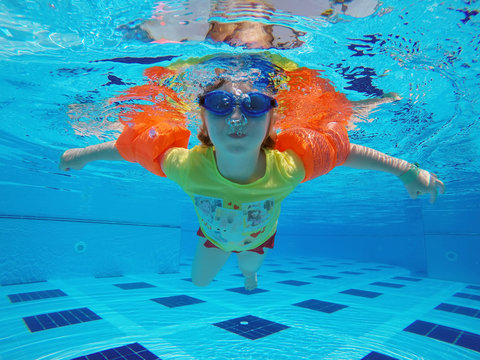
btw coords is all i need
(359, 270)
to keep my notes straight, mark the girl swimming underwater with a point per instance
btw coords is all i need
(245, 167)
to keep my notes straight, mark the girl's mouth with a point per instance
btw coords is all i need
(237, 136)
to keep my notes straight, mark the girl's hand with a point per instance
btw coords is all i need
(391, 97)
(420, 182)
(73, 159)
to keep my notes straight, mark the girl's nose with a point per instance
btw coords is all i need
(237, 118)
(237, 121)
(237, 113)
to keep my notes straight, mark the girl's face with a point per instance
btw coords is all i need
(237, 132)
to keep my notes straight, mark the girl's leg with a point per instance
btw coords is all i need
(207, 263)
(249, 262)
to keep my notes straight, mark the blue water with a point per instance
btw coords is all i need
(62, 61)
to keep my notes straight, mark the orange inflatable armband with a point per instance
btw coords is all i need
(147, 144)
(153, 127)
(320, 150)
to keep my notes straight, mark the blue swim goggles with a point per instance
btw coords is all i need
(222, 103)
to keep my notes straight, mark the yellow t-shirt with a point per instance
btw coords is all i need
(234, 216)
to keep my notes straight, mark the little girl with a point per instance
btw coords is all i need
(241, 172)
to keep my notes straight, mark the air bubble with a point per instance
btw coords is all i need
(80, 247)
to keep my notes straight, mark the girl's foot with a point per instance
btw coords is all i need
(251, 282)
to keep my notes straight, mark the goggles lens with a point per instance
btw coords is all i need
(223, 103)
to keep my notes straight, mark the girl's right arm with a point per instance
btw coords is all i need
(79, 157)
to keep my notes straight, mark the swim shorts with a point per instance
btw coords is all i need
(259, 249)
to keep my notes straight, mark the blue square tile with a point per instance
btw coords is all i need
(33, 324)
(136, 347)
(23, 282)
(242, 290)
(387, 284)
(377, 356)
(28, 296)
(128, 352)
(361, 293)
(456, 309)
(251, 327)
(79, 315)
(89, 314)
(467, 296)
(190, 279)
(469, 341)
(176, 301)
(463, 310)
(14, 298)
(420, 327)
(323, 306)
(46, 321)
(124, 350)
(406, 278)
(59, 319)
(111, 354)
(293, 282)
(473, 287)
(444, 333)
(327, 277)
(96, 356)
(67, 315)
(446, 307)
(134, 285)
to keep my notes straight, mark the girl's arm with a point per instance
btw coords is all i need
(417, 181)
(370, 104)
(79, 157)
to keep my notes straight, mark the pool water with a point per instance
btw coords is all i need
(359, 270)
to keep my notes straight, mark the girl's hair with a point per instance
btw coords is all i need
(268, 142)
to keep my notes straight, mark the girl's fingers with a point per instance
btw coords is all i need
(441, 186)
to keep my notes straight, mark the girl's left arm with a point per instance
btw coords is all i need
(417, 181)
(79, 157)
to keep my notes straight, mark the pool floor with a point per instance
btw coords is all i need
(307, 308)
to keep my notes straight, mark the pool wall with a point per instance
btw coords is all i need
(86, 224)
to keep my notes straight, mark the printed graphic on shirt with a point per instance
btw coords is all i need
(257, 214)
(207, 206)
(228, 222)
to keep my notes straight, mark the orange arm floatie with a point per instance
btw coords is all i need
(147, 144)
(320, 150)
(155, 124)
